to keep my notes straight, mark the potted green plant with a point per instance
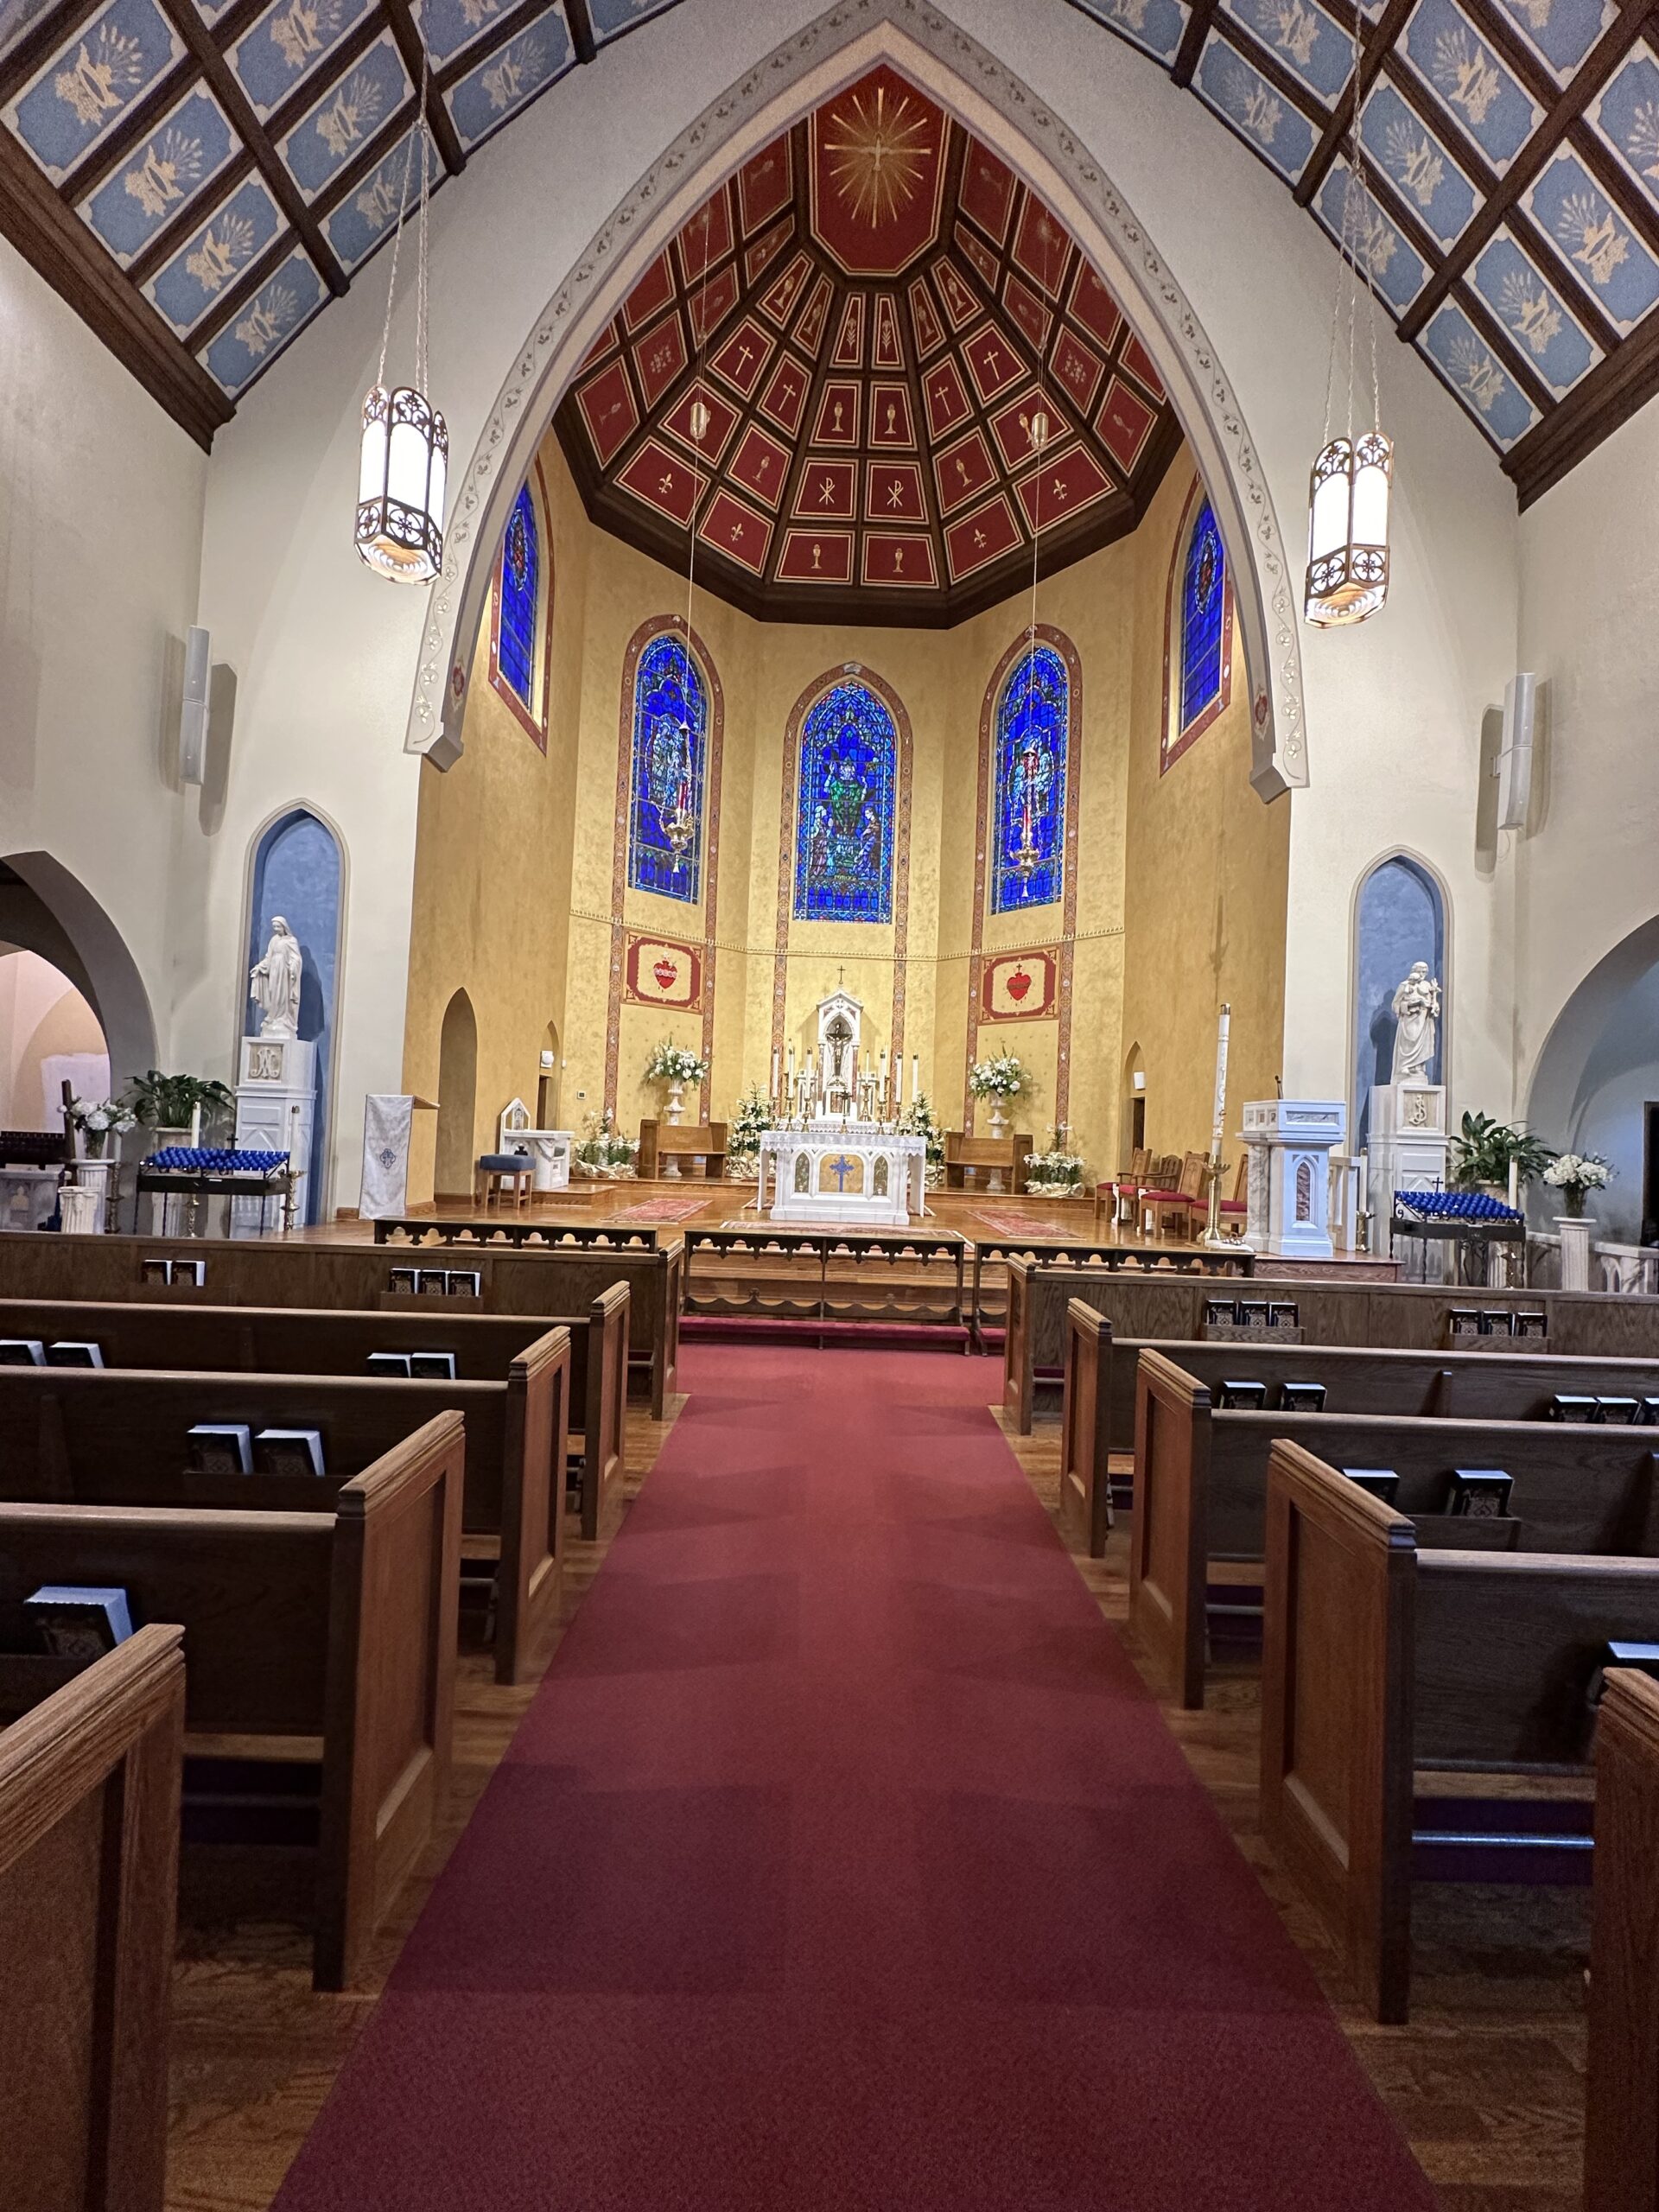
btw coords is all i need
(174, 1106)
(1483, 1150)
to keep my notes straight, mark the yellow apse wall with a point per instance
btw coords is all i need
(521, 899)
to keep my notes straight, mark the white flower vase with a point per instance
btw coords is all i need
(671, 1168)
(999, 1119)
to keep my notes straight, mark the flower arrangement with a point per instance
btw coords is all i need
(1572, 1173)
(1001, 1077)
(95, 1124)
(750, 1122)
(604, 1155)
(672, 1063)
(1055, 1172)
(918, 1120)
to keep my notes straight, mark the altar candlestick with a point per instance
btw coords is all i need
(1222, 1029)
(774, 1070)
(915, 1077)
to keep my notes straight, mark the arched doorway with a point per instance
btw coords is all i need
(1134, 1105)
(1596, 1085)
(46, 910)
(457, 1099)
(50, 1034)
(298, 872)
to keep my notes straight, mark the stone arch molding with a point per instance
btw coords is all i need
(971, 84)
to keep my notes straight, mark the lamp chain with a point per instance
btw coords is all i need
(426, 195)
(396, 247)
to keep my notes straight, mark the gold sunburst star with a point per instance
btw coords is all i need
(879, 161)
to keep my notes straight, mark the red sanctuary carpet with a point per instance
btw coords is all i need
(842, 1863)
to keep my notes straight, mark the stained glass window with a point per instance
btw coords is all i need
(844, 816)
(520, 571)
(1031, 719)
(670, 735)
(1204, 608)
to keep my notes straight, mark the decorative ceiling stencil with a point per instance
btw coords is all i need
(870, 388)
(180, 168)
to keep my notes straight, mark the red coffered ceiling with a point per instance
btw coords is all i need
(871, 312)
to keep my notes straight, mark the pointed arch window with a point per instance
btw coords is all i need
(1032, 726)
(670, 744)
(521, 628)
(844, 808)
(1199, 657)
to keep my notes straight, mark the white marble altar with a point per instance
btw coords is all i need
(829, 1173)
(1290, 1142)
(549, 1149)
(1408, 1147)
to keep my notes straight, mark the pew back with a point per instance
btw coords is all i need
(1621, 2137)
(336, 1628)
(89, 1829)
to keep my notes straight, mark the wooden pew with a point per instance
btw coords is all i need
(89, 1843)
(1509, 1384)
(1201, 1482)
(1381, 1659)
(325, 1636)
(1621, 2138)
(118, 1437)
(561, 1275)
(282, 1340)
(1468, 1385)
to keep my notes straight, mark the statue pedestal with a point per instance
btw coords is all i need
(1408, 1147)
(275, 1112)
(1290, 1142)
(1575, 1230)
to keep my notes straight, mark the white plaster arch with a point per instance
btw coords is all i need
(971, 84)
(1563, 1058)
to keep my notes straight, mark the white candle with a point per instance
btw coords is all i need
(1221, 1076)
(898, 1080)
(791, 1064)
(1514, 1182)
(774, 1070)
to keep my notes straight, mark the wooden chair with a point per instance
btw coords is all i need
(89, 1850)
(1172, 1212)
(1120, 1192)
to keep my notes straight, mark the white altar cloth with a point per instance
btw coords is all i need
(831, 1173)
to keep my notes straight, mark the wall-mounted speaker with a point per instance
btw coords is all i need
(1512, 767)
(192, 719)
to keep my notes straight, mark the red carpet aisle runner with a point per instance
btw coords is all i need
(842, 1862)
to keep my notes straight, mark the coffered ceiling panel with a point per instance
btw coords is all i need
(199, 177)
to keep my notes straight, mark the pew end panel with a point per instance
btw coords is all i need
(1169, 1544)
(1621, 2141)
(1336, 1714)
(530, 1573)
(1018, 1389)
(391, 1685)
(1085, 1444)
(605, 1444)
(89, 1843)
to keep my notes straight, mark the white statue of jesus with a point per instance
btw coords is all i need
(276, 982)
(1416, 1014)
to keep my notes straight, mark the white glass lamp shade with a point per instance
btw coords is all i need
(1348, 531)
(400, 485)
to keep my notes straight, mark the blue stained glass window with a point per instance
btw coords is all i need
(844, 815)
(1032, 727)
(520, 567)
(1204, 605)
(670, 735)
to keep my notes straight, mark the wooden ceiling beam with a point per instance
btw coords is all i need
(185, 19)
(581, 30)
(1192, 38)
(1606, 399)
(421, 72)
(1380, 40)
(57, 243)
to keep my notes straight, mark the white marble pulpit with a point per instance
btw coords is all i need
(830, 1173)
(1408, 1147)
(1290, 1142)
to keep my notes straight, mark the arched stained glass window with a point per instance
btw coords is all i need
(1204, 620)
(520, 587)
(844, 810)
(670, 738)
(1032, 719)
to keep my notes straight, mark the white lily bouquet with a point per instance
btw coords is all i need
(1001, 1077)
(604, 1155)
(1572, 1173)
(97, 1123)
(1055, 1174)
(671, 1063)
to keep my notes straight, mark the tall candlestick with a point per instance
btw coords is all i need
(774, 1070)
(791, 1064)
(915, 1077)
(1222, 1027)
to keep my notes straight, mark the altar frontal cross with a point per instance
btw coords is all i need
(841, 1169)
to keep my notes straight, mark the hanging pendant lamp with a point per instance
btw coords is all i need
(403, 463)
(1352, 477)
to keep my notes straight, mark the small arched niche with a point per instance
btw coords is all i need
(1399, 918)
(298, 872)
(457, 1097)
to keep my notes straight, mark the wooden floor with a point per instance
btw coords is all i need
(1486, 2083)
